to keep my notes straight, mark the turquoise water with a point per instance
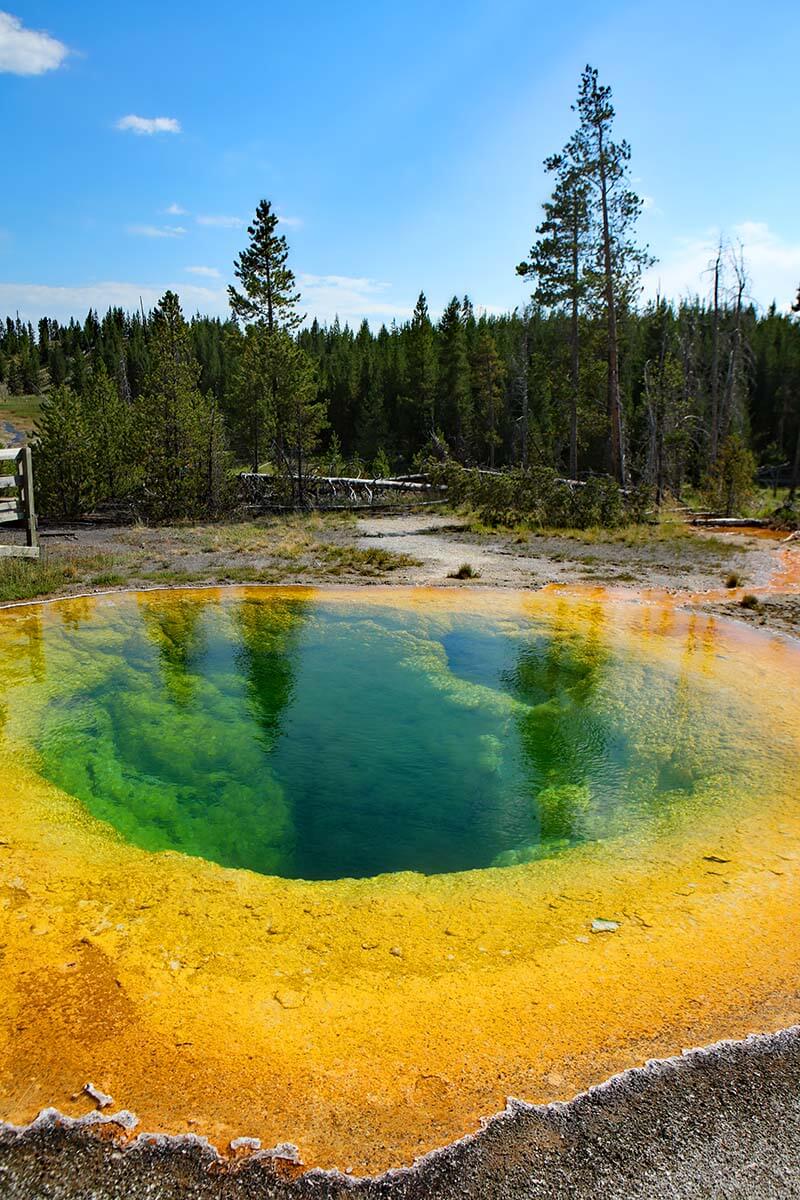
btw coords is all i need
(321, 740)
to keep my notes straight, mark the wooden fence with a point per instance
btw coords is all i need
(20, 507)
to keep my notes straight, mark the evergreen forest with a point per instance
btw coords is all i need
(583, 380)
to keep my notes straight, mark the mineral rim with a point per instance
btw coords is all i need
(719, 1122)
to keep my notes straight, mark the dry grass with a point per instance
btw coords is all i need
(272, 550)
(286, 536)
(57, 571)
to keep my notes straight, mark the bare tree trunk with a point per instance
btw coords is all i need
(575, 364)
(726, 415)
(714, 442)
(300, 472)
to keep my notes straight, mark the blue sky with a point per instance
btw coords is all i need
(402, 143)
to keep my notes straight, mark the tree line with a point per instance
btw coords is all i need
(580, 380)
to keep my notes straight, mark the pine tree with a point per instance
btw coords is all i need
(64, 467)
(56, 365)
(178, 430)
(250, 399)
(729, 484)
(381, 467)
(488, 373)
(300, 416)
(269, 301)
(455, 383)
(422, 370)
(602, 163)
(268, 285)
(557, 262)
(109, 423)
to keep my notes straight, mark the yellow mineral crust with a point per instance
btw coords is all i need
(370, 1021)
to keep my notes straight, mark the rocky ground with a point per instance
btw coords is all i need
(716, 570)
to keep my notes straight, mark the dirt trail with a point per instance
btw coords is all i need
(697, 562)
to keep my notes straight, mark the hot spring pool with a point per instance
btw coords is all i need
(371, 861)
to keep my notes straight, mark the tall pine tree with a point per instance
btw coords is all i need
(455, 383)
(422, 371)
(267, 293)
(603, 164)
(557, 262)
(179, 430)
(267, 301)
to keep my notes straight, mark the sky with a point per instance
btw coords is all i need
(401, 143)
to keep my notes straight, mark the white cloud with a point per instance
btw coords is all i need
(226, 222)
(324, 297)
(156, 231)
(208, 272)
(28, 51)
(175, 210)
(773, 265)
(148, 125)
(35, 300)
(350, 298)
(222, 222)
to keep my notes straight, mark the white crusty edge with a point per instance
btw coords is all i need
(628, 1081)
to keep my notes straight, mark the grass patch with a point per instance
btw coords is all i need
(762, 502)
(344, 560)
(751, 602)
(272, 551)
(108, 579)
(733, 580)
(27, 578)
(465, 571)
(286, 535)
(296, 553)
(20, 411)
(222, 574)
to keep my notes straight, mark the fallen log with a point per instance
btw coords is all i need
(733, 522)
(405, 485)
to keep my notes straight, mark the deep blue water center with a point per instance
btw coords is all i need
(318, 739)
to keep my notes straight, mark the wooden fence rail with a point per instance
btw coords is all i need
(21, 507)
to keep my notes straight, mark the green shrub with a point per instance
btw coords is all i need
(539, 497)
(729, 485)
(786, 517)
(465, 571)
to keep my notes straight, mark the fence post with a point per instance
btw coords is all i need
(26, 463)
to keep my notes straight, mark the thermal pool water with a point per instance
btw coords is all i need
(347, 868)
